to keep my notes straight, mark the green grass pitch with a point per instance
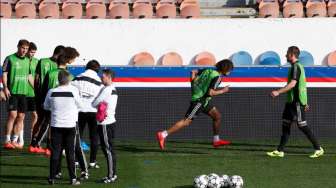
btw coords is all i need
(142, 165)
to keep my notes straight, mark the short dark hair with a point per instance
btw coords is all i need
(70, 53)
(63, 77)
(294, 50)
(58, 50)
(224, 65)
(93, 65)
(109, 73)
(62, 60)
(23, 42)
(32, 46)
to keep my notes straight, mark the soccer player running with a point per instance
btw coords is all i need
(296, 105)
(204, 84)
(106, 103)
(15, 82)
(43, 67)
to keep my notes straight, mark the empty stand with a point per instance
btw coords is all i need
(49, 9)
(269, 58)
(95, 9)
(332, 8)
(316, 8)
(171, 59)
(143, 59)
(306, 58)
(332, 59)
(166, 9)
(269, 9)
(5, 9)
(241, 58)
(25, 9)
(119, 9)
(142, 9)
(205, 59)
(72, 9)
(293, 9)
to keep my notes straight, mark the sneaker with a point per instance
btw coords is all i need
(75, 182)
(8, 145)
(84, 176)
(51, 181)
(84, 146)
(276, 153)
(109, 180)
(31, 149)
(39, 149)
(17, 145)
(58, 176)
(76, 164)
(161, 139)
(47, 152)
(221, 143)
(93, 165)
(317, 153)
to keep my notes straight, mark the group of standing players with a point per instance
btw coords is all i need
(43, 87)
(61, 105)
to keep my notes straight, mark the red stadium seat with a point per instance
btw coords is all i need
(269, 9)
(293, 9)
(316, 8)
(5, 9)
(332, 59)
(142, 9)
(166, 9)
(25, 9)
(143, 59)
(119, 9)
(72, 9)
(49, 9)
(205, 59)
(332, 8)
(190, 11)
(95, 9)
(171, 59)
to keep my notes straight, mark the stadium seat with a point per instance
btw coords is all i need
(205, 59)
(5, 9)
(293, 9)
(119, 9)
(166, 9)
(142, 9)
(306, 58)
(190, 11)
(49, 9)
(241, 58)
(95, 9)
(72, 9)
(171, 59)
(25, 9)
(332, 59)
(269, 9)
(143, 59)
(316, 8)
(332, 8)
(269, 58)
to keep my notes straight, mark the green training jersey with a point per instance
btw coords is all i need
(44, 66)
(32, 68)
(53, 78)
(18, 72)
(299, 92)
(205, 80)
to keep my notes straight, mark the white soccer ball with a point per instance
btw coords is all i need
(225, 181)
(214, 181)
(201, 181)
(236, 181)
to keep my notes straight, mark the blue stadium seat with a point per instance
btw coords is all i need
(306, 58)
(241, 58)
(269, 58)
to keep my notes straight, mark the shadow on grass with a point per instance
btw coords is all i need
(24, 165)
(24, 180)
(135, 149)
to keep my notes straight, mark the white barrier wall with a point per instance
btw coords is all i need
(114, 42)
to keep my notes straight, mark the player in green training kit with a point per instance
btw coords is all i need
(296, 106)
(15, 82)
(43, 67)
(204, 84)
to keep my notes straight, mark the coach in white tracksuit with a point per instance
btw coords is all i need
(64, 103)
(89, 84)
(106, 128)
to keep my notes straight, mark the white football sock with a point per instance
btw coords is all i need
(164, 134)
(216, 138)
(21, 140)
(8, 138)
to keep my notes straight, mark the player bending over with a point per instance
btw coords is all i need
(204, 84)
(296, 105)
